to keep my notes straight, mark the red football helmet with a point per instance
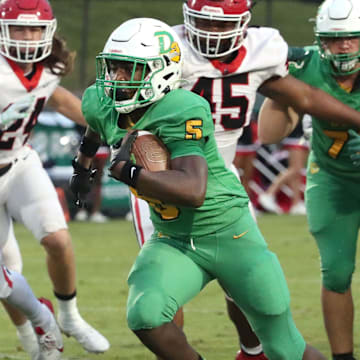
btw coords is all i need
(210, 41)
(26, 13)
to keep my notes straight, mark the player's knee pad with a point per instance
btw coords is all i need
(6, 282)
(338, 276)
(148, 310)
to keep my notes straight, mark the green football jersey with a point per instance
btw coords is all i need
(328, 142)
(183, 121)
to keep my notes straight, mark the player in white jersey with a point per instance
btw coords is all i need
(32, 61)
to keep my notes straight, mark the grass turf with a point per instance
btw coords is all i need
(104, 255)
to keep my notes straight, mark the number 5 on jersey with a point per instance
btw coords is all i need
(194, 130)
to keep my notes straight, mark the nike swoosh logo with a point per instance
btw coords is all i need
(132, 172)
(242, 234)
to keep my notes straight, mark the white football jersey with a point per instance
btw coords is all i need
(42, 84)
(231, 88)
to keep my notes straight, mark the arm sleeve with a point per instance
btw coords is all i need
(186, 148)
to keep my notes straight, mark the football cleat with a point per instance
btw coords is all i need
(98, 217)
(268, 202)
(298, 209)
(50, 341)
(81, 215)
(89, 338)
(243, 356)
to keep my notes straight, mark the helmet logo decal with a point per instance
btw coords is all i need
(27, 17)
(212, 9)
(164, 37)
(175, 54)
(168, 45)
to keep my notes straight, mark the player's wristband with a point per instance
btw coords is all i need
(88, 147)
(130, 173)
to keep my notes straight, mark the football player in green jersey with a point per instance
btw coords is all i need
(203, 228)
(332, 199)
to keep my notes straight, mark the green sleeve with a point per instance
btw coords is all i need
(89, 108)
(186, 148)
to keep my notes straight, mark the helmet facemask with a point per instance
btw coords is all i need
(340, 64)
(338, 20)
(128, 95)
(27, 51)
(214, 44)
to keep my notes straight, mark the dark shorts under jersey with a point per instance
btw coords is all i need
(295, 139)
(247, 143)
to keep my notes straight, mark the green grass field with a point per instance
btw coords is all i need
(104, 256)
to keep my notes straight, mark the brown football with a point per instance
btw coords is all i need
(150, 152)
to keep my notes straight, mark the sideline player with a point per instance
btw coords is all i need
(298, 150)
(32, 62)
(332, 179)
(203, 227)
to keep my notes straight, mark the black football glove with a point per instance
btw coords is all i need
(122, 150)
(81, 182)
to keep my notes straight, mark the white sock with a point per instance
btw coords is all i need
(25, 328)
(68, 308)
(253, 350)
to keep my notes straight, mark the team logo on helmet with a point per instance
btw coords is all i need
(175, 54)
(168, 45)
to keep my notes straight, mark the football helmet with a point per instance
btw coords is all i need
(214, 44)
(26, 13)
(338, 19)
(144, 43)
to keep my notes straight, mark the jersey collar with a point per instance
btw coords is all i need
(28, 84)
(228, 68)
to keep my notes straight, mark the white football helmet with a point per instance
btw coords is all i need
(26, 13)
(338, 19)
(214, 44)
(146, 42)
